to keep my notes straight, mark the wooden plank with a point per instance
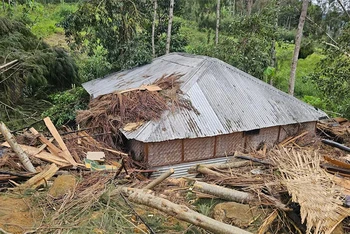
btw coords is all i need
(40, 178)
(54, 149)
(293, 139)
(44, 146)
(59, 140)
(42, 155)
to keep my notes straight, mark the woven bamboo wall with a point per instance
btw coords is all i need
(199, 148)
(267, 136)
(165, 153)
(228, 144)
(187, 150)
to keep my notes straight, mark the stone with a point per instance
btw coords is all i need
(62, 185)
(240, 215)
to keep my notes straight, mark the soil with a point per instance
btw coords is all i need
(17, 214)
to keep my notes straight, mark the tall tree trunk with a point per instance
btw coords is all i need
(249, 7)
(297, 46)
(217, 23)
(154, 27)
(273, 43)
(171, 14)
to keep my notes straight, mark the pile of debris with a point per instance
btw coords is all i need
(297, 187)
(129, 109)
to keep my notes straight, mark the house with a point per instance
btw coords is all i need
(232, 111)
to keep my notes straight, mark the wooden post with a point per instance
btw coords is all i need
(23, 157)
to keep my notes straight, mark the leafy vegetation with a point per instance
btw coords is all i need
(106, 36)
(65, 105)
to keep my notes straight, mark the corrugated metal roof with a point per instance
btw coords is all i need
(227, 99)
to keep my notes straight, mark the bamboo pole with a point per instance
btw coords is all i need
(180, 212)
(158, 180)
(23, 157)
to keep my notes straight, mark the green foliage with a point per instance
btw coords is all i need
(306, 66)
(315, 101)
(40, 69)
(333, 75)
(286, 35)
(178, 39)
(42, 20)
(65, 105)
(116, 25)
(269, 74)
(249, 50)
(93, 66)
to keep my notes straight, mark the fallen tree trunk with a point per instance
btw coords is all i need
(23, 157)
(220, 166)
(158, 180)
(206, 171)
(180, 212)
(223, 193)
(336, 144)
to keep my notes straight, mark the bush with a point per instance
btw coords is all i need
(286, 35)
(65, 105)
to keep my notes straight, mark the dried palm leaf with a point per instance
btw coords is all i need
(319, 197)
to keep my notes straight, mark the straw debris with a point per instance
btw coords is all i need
(319, 197)
(109, 113)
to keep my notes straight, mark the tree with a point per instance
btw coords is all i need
(217, 22)
(297, 46)
(171, 14)
(154, 27)
(119, 26)
(40, 69)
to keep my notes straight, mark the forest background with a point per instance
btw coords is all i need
(56, 45)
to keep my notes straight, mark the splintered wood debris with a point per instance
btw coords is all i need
(261, 180)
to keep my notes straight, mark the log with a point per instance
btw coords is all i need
(158, 180)
(59, 140)
(206, 171)
(229, 165)
(180, 212)
(223, 193)
(23, 157)
(40, 178)
(336, 144)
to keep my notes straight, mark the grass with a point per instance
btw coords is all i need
(44, 19)
(303, 87)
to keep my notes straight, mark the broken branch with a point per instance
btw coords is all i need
(23, 157)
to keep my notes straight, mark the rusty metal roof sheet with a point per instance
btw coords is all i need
(226, 99)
